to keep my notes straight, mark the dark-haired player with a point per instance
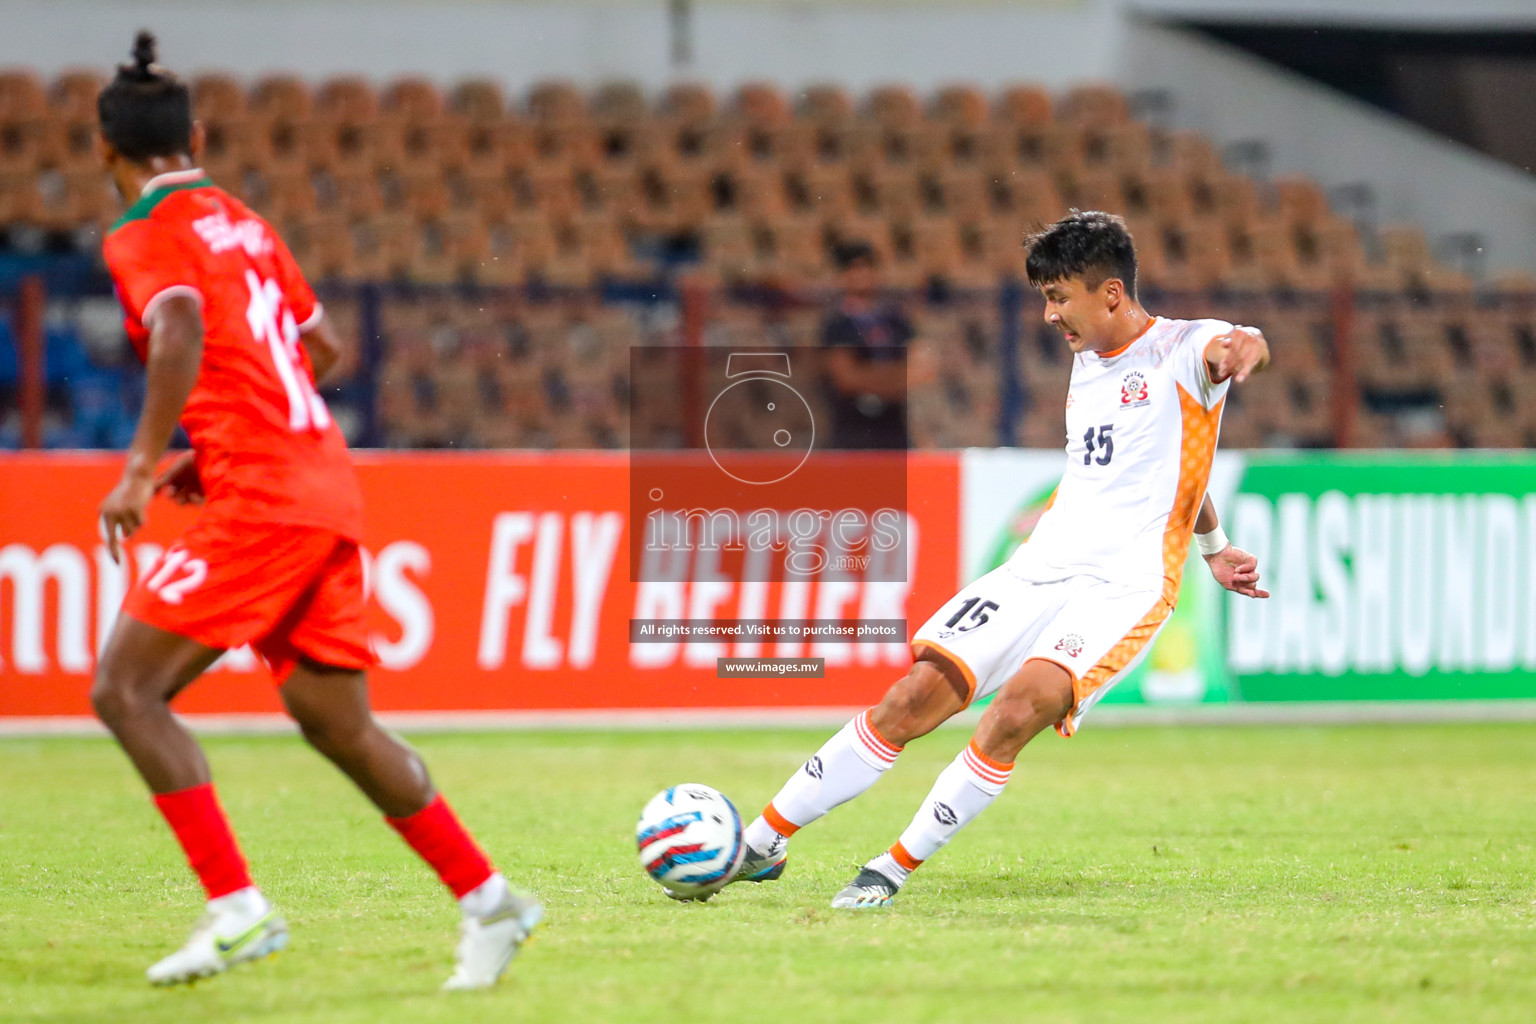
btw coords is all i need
(233, 341)
(1077, 606)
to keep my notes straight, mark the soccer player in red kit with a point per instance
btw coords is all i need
(233, 341)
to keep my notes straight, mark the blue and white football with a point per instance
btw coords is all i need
(689, 839)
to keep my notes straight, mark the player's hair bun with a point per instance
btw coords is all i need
(143, 67)
(146, 111)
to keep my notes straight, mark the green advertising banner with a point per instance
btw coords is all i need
(1395, 576)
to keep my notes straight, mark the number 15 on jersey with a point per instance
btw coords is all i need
(1099, 438)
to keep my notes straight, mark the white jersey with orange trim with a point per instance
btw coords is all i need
(1141, 433)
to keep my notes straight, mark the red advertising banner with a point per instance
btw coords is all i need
(500, 582)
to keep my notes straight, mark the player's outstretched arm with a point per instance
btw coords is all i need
(324, 347)
(1234, 568)
(174, 357)
(1237, 354)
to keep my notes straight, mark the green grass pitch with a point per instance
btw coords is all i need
(1188, 875)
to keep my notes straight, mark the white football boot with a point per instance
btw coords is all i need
(238, 927)
(764, 866)
(869, 891)
(488, 942)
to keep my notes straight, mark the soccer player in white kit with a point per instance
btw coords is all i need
(1077, 606)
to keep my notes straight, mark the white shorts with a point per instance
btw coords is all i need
(1096, 630)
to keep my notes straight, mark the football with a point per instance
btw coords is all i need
(689, 838)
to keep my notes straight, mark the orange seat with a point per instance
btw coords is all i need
(480, 100)
(689, 103)
(893, 106)
(960, 104)
(556, 101)
(1300, 200)
(74, 93)
(347, 99)
(22, 95)
(1095, 105)
(218, 97)
(413, 98)
(67, 142)
(1022, 105)
(281, 97)
(824, 102)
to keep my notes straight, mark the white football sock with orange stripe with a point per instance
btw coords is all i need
(962, 791)
(847, 765)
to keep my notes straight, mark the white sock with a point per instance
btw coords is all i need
(246, 904)
(888, 866)
(962, 791)
(845, 766)
(760, 836)
(486, 897)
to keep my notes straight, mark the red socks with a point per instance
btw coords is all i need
(436, 835)
(204, 833)
(433, 832)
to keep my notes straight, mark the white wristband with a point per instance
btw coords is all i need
(1212, 543)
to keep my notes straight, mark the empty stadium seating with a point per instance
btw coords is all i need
(564, 191)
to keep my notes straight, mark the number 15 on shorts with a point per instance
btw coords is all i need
(972, 614)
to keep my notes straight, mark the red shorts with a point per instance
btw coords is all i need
(291, 592)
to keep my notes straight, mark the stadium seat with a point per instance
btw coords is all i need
(556, 102)
(960, 104)
(415, 99)
(407, 180)
(218, 97)
(479, 100)
(73, 95)
(1022, 105)
(825, 102)
(1094, 106)
(281, 98)
(349, 99)
(65, 142)
(23, 95)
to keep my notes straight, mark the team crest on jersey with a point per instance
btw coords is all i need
(1133, 390)
(1072, 644)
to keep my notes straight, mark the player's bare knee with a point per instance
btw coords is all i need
(1027, 705)
(108, 700)
(334, 736)
(914, 706)
(118, 693)
(1009, 718)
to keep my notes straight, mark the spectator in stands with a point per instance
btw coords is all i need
(866, 371)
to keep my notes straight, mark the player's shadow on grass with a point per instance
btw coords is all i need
(280, 998)
(1024, 884)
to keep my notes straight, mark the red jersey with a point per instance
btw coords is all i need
(266, 446)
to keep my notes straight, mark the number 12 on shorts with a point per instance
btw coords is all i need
(178, 573)
(977, 609)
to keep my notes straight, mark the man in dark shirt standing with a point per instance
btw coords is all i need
(866, 378)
